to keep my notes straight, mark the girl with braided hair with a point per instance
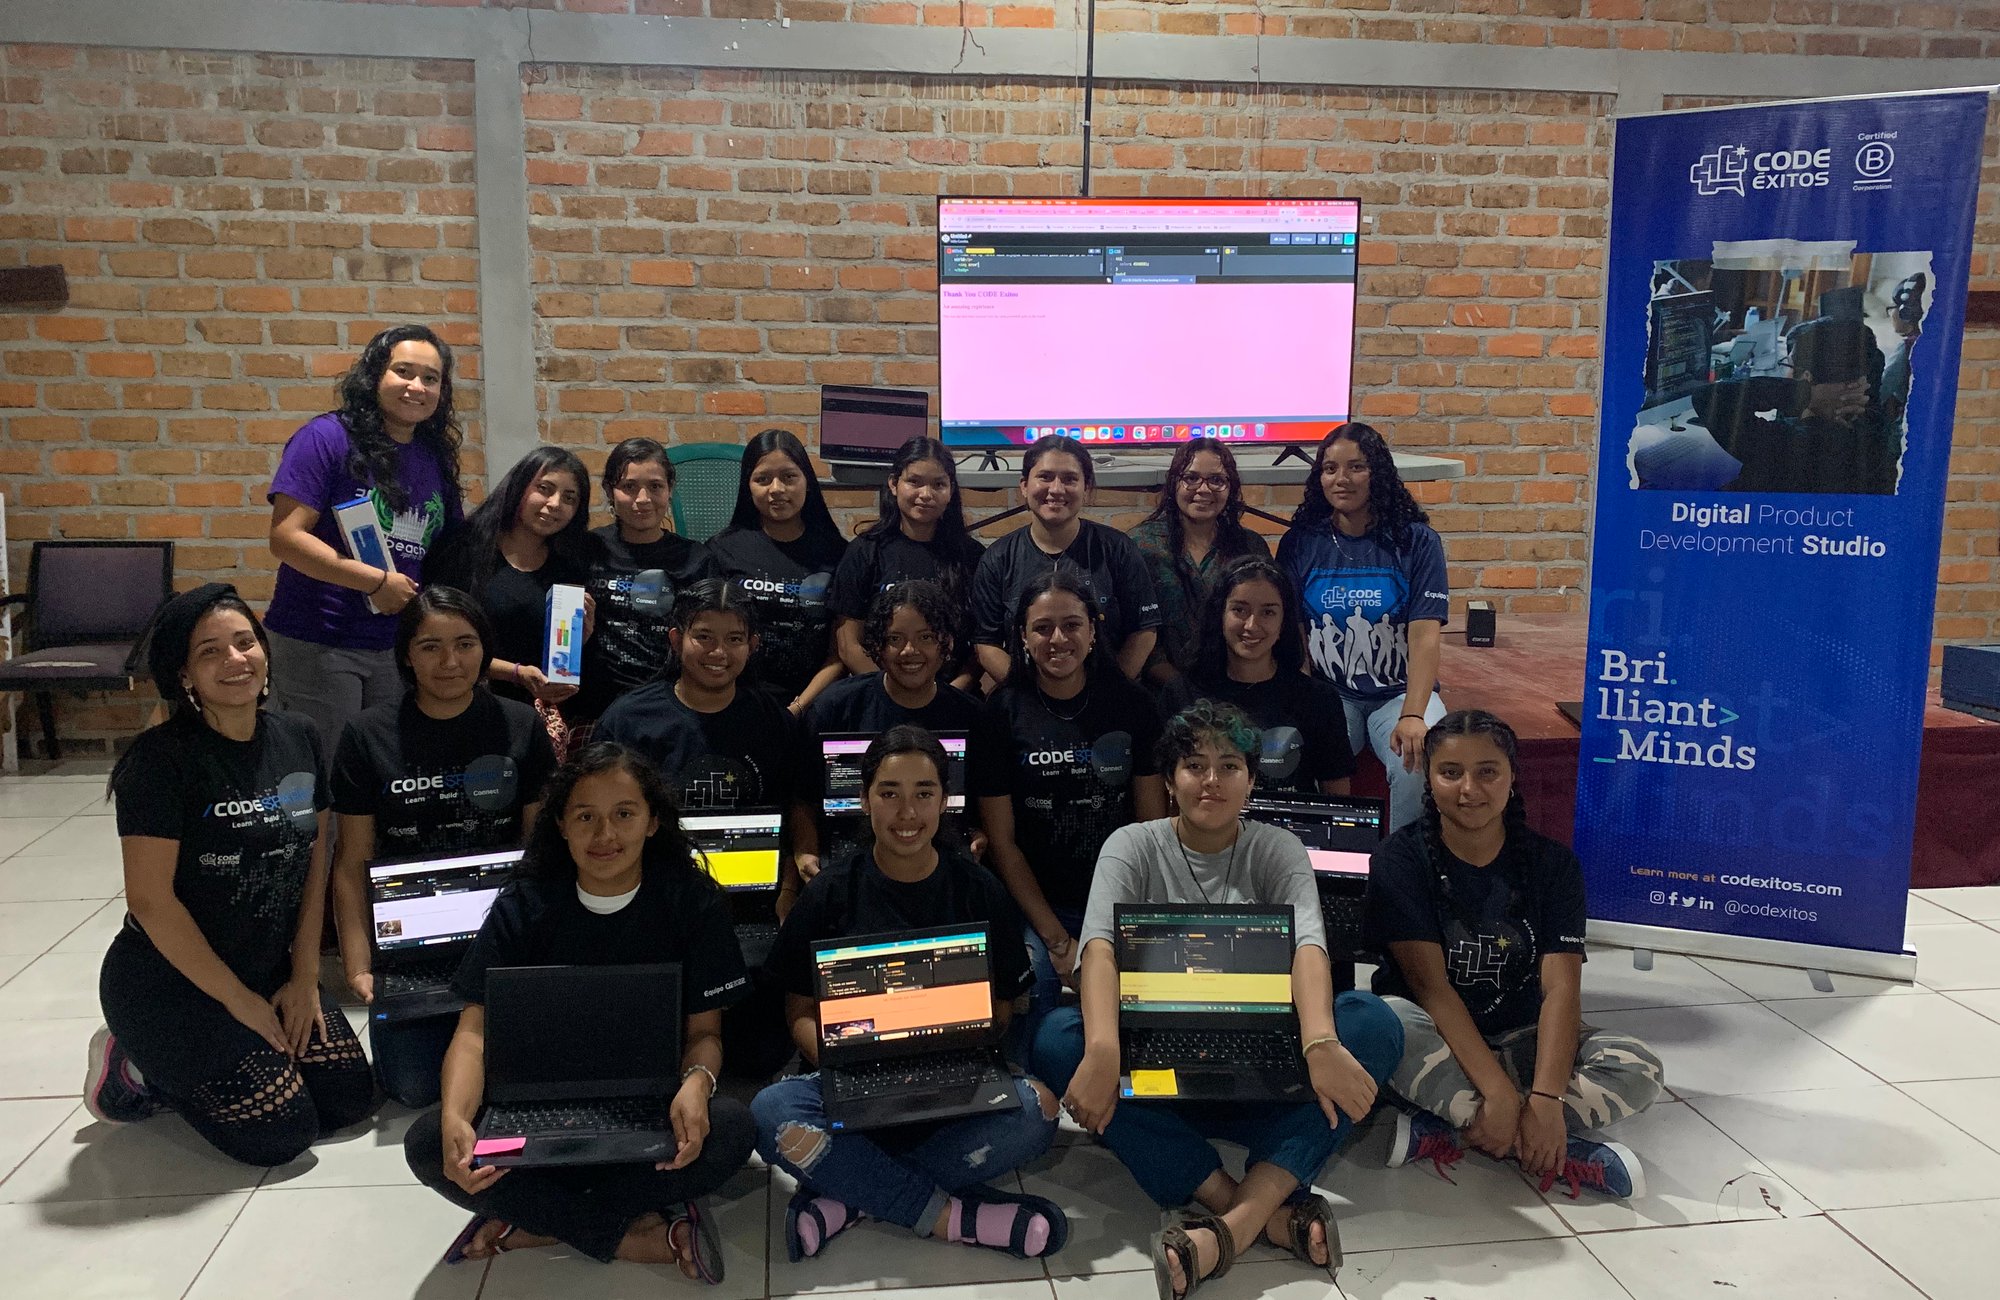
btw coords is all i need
(1482, 924)
(1373, 596)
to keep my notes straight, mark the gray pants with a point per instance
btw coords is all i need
(1616, 1076)
(329, 686)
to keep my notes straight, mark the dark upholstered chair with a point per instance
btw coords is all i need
(88, 606)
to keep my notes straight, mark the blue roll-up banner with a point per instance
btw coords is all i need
(1786, 295)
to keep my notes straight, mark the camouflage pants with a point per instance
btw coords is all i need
(1616, 1076)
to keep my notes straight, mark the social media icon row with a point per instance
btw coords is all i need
(1146, 432)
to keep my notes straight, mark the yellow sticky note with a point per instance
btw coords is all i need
(1155, 1083)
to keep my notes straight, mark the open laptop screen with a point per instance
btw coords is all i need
(582, 1031)
(869, 425)
(739, 849)
(840, 753)
(881, 989)
(1189, 958)
(423, 902)
(1339, 832)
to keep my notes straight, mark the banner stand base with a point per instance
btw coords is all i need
(1900, 966)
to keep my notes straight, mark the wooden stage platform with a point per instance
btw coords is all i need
(1539, 661)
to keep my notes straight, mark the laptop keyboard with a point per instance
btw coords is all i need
(1248, 1049)
(420, 978)
(756, 932)
(1343, 924)
(621, 1116)
(879, 1077)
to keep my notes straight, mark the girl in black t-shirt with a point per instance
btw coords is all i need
(530, 534)
(450, 769)
(609, 879)
(920, 533)
(1483, 924)
(1068, 760)
(783, 547)
(1057, 478)
(719, 745)
(931, 1178)
(1251, 654)
(211, 995)
(637, 571)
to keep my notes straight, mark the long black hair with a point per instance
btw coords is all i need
(1288, 647)
(372, 453)
(1514, 818)
(1231, 537)
(953, 541)
(471, 556)
(1391, 508)
(1057, 577)
(437, 598)
(169, 639)
(548, 858)
(818, 520)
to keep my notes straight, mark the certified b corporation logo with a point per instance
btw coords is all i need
(1874, 160)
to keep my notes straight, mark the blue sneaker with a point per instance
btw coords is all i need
(113, 1089)
(1607, 1168)
(1421, 1135)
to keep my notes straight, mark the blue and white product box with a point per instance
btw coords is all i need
(361, 529)
(562, 636)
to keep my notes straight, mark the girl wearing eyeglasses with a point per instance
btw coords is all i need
(1192, 534)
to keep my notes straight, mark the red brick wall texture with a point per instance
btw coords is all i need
(710, 246)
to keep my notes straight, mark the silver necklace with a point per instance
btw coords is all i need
(1229, 873)
(1082, 703)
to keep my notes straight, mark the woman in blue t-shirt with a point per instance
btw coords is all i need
(395, 441)
(1373, 597)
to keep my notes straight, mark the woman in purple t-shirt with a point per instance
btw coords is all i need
(394, 442)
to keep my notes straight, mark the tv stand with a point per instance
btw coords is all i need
(1291, 451)
(986, 460)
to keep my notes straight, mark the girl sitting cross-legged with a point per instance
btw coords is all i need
(1205, 854)
(923, 1176)
(1482, 920)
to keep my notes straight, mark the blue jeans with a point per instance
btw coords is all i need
(1046, 994)
(1168, 1146)
(1372, 723)
(900, 1175)
(409, 1057)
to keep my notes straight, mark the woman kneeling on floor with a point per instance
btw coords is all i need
(608, 880)
(1471, 880)
(931, 1178)
(1202, 855)
(211, 993)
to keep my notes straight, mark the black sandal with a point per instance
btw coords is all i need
(1311, 1209)
(1173, 1242)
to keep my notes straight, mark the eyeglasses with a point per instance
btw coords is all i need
(1196, 482)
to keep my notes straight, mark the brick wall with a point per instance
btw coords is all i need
(1884, 28)
(233, 228)
(712, 246)
(709, 247)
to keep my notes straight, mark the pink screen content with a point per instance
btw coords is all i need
(1029, 352)
(1334, 862)
(1145, 310)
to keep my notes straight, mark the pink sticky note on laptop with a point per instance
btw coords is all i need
(498, 1146)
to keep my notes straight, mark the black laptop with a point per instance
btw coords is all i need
(1340, 833)
(906, 1028)
(581, 1063)
(423, 914)
(739, 850)
(1205, 1003)
(840, 754)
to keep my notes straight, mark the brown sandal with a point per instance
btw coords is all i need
(1173, 1242)
(1315, 1208)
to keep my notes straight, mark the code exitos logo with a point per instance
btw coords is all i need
(1733, 169)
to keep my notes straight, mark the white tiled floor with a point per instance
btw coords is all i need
(1817, 1146)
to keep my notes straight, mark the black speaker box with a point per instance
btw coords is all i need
(1479, 623)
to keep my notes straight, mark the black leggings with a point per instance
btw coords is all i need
(250, 1102)
(589, 1207)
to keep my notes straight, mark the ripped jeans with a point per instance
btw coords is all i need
(900, 1175)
